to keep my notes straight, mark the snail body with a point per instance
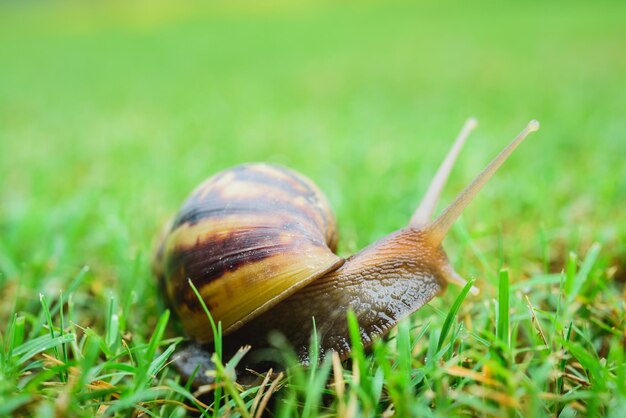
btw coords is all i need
(258, 241)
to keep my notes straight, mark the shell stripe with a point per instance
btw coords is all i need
(247, 238)
(242, 295)
(216, 253)
(214, 196)
(259, 190)
(243, 208)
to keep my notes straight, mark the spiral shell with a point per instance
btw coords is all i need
(247, 238)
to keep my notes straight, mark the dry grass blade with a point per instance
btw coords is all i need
(268, 395)
(50, 361)
(259, 394)
(102, 409)
(351, 410)
(172, 402)
(576, 379)
(459, 371)
(339, 384)
(204, 389)
(167, 388)
(499, 397)
(389, 412)
(100, 384)
(536, 322)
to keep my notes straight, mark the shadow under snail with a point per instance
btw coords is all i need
(258, 241)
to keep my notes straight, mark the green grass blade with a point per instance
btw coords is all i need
(112, 327)
(46, 311)
(311, 388)
(363, 388)
(570, 273)
(157, 336)
(159, 362)
(62, 329)
(72, 287)
(226, 376)
(10, 405)
(315, 389)
(143, 371)
(217, 342)
(17, 333)
(503, 319)
(454, 309)
(576, 284)
(217, 330)
(38, 345)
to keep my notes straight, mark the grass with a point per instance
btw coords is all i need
(111, 114)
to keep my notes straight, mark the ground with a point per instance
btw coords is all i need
(110, 114)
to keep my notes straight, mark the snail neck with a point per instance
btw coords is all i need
(408, 252)
(382, 284)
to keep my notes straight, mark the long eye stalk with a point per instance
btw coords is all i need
(439, 228)
(427, 206)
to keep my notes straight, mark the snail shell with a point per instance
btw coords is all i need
(247, 238)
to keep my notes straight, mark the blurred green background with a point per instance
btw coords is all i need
(111, 112)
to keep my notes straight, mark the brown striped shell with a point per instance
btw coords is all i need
(247, 238)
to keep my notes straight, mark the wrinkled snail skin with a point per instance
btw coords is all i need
(382, 284)
(258, 241)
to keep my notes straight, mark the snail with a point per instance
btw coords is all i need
(259, 243)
